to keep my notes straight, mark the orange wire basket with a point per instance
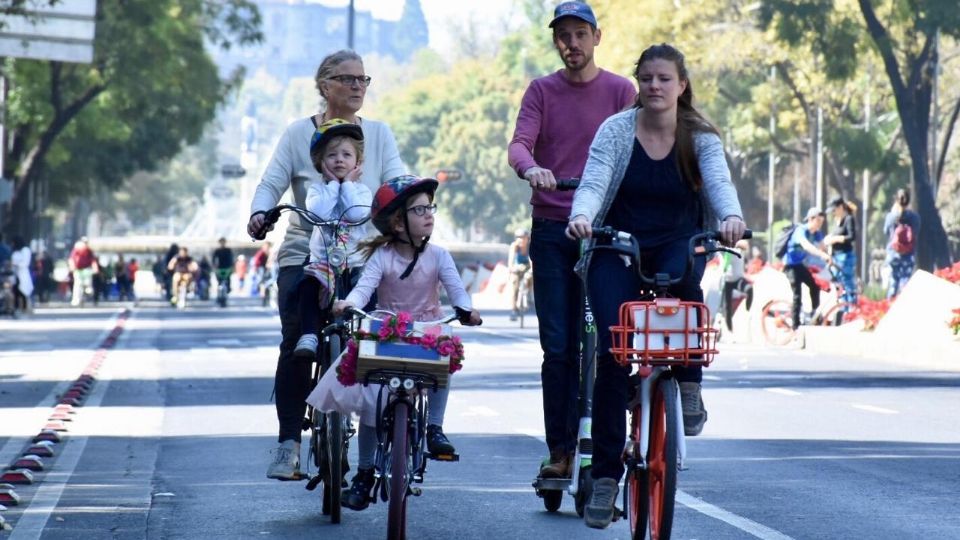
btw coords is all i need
(664, 332)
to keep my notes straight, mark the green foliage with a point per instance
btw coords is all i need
(150, 91)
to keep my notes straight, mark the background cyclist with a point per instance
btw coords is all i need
(518, 265)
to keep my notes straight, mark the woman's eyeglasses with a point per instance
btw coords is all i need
(423, 209)
(350, 80)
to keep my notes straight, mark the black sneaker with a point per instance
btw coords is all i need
(437, 442)
(358, 496)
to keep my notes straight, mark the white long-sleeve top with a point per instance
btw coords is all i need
(344, 201)
(419, 293)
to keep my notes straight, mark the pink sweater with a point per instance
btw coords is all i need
(555, 126)
(419, 294)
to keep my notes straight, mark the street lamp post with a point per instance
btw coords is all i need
(351, 16)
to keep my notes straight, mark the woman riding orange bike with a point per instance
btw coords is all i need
(656, 171)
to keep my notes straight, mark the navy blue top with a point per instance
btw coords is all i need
(654, 203)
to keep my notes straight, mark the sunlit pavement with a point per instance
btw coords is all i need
(173, 440)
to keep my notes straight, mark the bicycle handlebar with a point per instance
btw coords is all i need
(271, 216)
(460, 315)
(567, 184)
(624, 243)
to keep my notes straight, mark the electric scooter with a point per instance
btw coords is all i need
(580, 482)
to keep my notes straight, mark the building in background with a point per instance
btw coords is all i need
(297, 34)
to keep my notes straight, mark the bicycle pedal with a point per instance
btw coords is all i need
(444, 457)
(313, 483)
(416, 492)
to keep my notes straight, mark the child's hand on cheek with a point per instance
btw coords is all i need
(354, 175)
(328, 175)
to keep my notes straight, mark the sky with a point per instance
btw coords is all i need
(439, 14)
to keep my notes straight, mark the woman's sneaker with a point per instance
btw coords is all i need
(437, 442)
(601, 509)
(286, 461)
(694, 413)
(358, 496)
(306, 346)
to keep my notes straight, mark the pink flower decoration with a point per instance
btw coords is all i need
(446, 348)
(404, 319)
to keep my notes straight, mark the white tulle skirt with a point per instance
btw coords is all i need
(329, 396)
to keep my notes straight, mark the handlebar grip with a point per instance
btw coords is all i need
(747, 234)
(567, 184)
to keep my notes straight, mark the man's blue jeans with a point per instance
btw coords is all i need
(557, 293)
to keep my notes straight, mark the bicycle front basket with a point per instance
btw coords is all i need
(399, 356)
(664, 331)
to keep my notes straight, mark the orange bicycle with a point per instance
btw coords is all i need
(656, 333)
(776, 317)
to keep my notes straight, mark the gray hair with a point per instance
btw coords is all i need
(329, 64)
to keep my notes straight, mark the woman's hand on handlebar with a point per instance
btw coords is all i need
(255, 226)
(474, 319)
(579, 227)
(731, 230)
(340, 306)
(540, 179)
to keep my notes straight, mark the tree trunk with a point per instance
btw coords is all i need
(933, 249)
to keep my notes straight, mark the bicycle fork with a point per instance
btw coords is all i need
(643, 445)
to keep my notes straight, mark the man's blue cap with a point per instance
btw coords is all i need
(579, 10)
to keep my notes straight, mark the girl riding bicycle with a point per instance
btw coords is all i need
(337, 152)
(405, 272)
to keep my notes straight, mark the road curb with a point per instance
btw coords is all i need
(30, 460)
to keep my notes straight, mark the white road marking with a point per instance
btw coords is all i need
(712, 378)
(783, 391)
(224, 342)
(532, 433)
(871, 408)
(480, 410)
(35, 516)
(746, 525)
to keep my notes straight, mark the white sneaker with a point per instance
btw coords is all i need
(286, 461)
(306, 346)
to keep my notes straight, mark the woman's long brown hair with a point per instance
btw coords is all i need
(689, 119)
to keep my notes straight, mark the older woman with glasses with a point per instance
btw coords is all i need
(342, 84)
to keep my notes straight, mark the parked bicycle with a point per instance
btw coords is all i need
(329, 431)
(657, 332)
(777, 315)
(401, 458)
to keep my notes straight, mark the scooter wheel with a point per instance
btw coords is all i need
(552, 500)
(584, 490)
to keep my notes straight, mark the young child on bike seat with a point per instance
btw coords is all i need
(406, 273)
(337, 151)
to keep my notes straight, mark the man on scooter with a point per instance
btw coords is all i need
(558, 117)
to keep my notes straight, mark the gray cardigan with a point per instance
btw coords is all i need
(607, 163)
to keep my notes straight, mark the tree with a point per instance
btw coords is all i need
(150, 90)
(907, 43)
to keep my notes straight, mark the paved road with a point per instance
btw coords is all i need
(174, 440)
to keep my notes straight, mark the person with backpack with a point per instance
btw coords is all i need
(805, 239)
(901, 228)
(841, 241)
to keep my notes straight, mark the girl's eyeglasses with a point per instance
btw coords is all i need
(423, 209)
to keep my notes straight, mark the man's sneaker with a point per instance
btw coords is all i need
(514, 315)
(601, 508)
(559, 465)
(437, 442)
(306, 346)
(286, 461)
(358, 496)
(694, 413)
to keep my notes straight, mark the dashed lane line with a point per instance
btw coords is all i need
(746, 525)
(871, 408)
(783, 391)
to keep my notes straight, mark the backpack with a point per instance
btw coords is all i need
(903, 239)
(782, 243)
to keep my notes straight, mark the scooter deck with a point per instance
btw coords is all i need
(551, 484)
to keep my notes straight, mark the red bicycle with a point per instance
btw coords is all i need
(658, 332)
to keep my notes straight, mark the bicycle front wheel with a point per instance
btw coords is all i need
(658, 483)
(333, 478)
(777, 322)
(399, 449)
(841, 313)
